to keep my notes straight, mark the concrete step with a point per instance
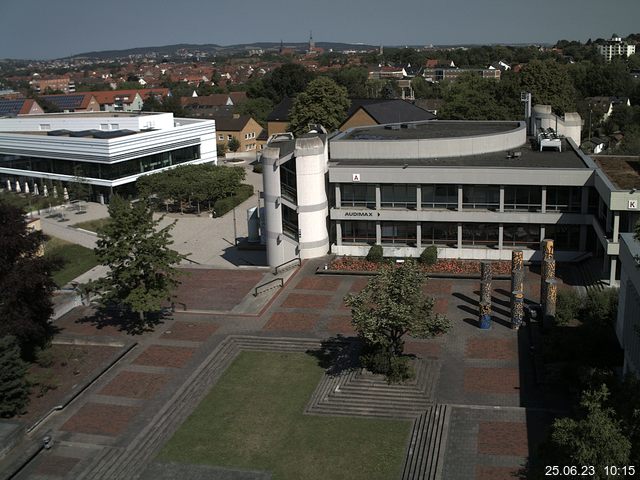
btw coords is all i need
(427, 444)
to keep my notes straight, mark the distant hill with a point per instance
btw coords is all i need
(216, 49)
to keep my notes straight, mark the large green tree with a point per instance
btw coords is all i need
(354, 79)
(549, 84)
(142, 266)
(473, 98)
(284, 81)
(25, 282)
(392, 305)
(14, 389)
(323, 102)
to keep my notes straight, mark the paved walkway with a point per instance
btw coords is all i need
(496, 414)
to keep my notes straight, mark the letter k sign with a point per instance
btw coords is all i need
(356, 177)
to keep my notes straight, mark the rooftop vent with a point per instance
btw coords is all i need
(394, 126)
(514, 154)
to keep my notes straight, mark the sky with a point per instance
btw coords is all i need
(39, 29)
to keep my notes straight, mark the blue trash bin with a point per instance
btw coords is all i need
(485, 322)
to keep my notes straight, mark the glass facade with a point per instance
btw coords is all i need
(439, 196)
(103, 171)
(289, 222)
(564, 199)
(523, 198)
(481, 234)
(288, 181)
(481, 197)
(398, 196)
(521, 236)
(434, 233)
(352, 195)
(565, 237)
(399, 233)
(359, 232)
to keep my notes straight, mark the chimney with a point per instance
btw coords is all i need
(236, 116)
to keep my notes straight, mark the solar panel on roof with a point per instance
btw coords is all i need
(83, 133)
(67, 102)
(10, 107)
(112, 134)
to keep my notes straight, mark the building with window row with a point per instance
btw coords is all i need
(108, 150)
(476, 190)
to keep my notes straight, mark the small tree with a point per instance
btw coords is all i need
(14, 389)
(234, 144)
(221, 149)
(429, 255)
(142, 273)
(392, 305)
(595, 438)
(376, 254)
(79, 187)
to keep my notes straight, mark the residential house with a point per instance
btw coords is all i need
(242, 127)
(41, 85)
(377, 111)
(216, 105)
(606, 104)
(278, 119)
(74, 102)
(18, 107)
(615, 47)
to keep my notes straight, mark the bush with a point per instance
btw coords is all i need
(429, 255)
(568, 306)
(602, 307)
(375, 254)
(257, 167)
(14, 390)
(227, 204)
(396, 369)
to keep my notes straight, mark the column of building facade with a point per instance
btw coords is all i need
(546, 247)
(418, 223)
(378, 207)
(501, 207)
(460, 198)
(517, 287)
(338, 195)
(584, 210)
(543, 200)
(338, 233)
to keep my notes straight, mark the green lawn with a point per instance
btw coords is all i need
(252, 419)
(93, 225)
(77, 259)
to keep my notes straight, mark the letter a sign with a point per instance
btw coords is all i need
(356, 177)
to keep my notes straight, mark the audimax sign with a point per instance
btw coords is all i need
(359, 214)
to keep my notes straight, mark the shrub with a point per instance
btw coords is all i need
(395, 368)
(429, 255)
(568, 306)
(257, 167)
(14, 391)
(227, 204)
(602, 307)
(375, 254)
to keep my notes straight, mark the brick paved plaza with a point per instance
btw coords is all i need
(484, 376)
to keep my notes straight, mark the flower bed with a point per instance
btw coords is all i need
(447, 266)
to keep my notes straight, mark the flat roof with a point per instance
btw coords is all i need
(428, 130)
(89, 114)
(529, 158)
(623, 171)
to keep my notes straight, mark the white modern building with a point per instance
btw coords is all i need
(615, 47)
(628, 323)
(109, 150)
(476, 190)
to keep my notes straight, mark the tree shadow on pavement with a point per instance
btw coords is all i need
(338, 354)
(125, 320)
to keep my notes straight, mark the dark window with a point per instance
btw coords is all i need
(359, 232)
(565, 237)
(399, 233)
(484, 198)
(480, 234)
(352, 195)
(440, 196)
(288, 180)
(521, 236)
(523, 198)
(398, 196)
(289, 222)
(434, 233)
(563, 199)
